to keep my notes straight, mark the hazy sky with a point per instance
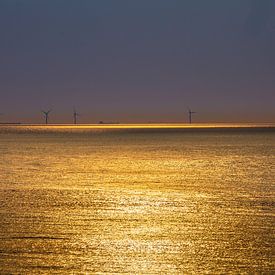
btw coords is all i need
(137, 60)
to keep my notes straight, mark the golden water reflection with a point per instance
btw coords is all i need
(138, 203)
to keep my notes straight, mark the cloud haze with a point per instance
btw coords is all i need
(137, 61)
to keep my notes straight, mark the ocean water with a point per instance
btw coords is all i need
(84, 200)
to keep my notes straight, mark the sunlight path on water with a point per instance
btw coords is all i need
(137, 200)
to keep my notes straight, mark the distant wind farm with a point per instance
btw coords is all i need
(76, 115)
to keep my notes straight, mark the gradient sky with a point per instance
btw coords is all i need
(137, 60)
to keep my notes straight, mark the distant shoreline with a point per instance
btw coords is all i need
(11, 123)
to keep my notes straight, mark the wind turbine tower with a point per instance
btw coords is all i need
(75, 116)
(190, 113)
(46, 114)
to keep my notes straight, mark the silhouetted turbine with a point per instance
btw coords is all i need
(46, 114)
(75, 116)
(190, 113)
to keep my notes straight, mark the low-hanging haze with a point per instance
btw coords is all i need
(137, 60)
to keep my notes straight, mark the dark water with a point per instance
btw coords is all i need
(85, 200)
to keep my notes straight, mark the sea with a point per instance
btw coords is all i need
(137, 199)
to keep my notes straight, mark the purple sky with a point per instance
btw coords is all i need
(137, 60)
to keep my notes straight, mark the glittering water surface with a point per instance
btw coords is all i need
(136, 200)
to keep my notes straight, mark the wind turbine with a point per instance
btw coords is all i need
(75, 116)
(190, 113)
(46, 114)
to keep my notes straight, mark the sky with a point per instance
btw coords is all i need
(133, 61)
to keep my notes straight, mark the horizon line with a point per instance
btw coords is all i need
(160, 125)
